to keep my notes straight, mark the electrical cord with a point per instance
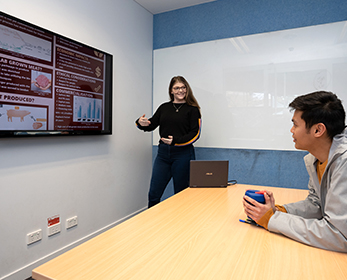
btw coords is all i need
(232, 182)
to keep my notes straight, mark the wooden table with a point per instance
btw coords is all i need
(196, 234)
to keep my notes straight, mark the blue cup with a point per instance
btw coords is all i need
(256, 195)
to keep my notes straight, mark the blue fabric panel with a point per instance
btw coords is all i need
(261, 167)
(225, 19)
(257, 167)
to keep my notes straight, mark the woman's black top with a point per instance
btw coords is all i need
(179, 120)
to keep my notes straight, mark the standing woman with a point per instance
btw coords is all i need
(179, 122)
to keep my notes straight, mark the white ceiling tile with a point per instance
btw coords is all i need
(160, 6)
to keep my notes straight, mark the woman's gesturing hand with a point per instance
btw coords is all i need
(143, 121)
(168, 140)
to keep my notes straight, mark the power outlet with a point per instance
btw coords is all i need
(53, 229)
(34, 236)
(71, 222)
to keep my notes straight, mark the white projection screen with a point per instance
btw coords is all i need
(244, 84)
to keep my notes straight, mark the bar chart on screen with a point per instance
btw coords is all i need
(87, 109)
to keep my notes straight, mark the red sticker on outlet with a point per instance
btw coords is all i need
(53, 220)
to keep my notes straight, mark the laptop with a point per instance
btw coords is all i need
(209, 173)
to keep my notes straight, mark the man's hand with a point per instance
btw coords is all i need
(258, 210)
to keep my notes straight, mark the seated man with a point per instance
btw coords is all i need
(321, 219)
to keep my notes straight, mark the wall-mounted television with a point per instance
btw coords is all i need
(50, 84)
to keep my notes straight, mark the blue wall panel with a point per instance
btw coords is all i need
(261, 167)
(257, 167)
(224, 19)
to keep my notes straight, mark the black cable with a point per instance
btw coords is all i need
(232, 182)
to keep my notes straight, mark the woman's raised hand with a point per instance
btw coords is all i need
(143, 121)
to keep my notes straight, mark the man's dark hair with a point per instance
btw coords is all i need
(321, 107)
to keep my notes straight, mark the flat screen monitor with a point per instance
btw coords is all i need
(50, 84)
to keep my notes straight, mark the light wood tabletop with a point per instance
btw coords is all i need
(196, 234)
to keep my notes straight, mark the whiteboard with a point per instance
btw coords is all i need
(244, 84)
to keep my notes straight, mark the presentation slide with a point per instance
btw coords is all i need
(245, 84)
(48, 82)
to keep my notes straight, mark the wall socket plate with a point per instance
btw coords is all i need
(34, 236)
(53, 229)
(71, 222)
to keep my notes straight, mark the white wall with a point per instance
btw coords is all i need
(101, 179)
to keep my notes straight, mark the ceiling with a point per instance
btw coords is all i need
(160, 6)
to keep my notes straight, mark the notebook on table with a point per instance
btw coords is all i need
(209, 173)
